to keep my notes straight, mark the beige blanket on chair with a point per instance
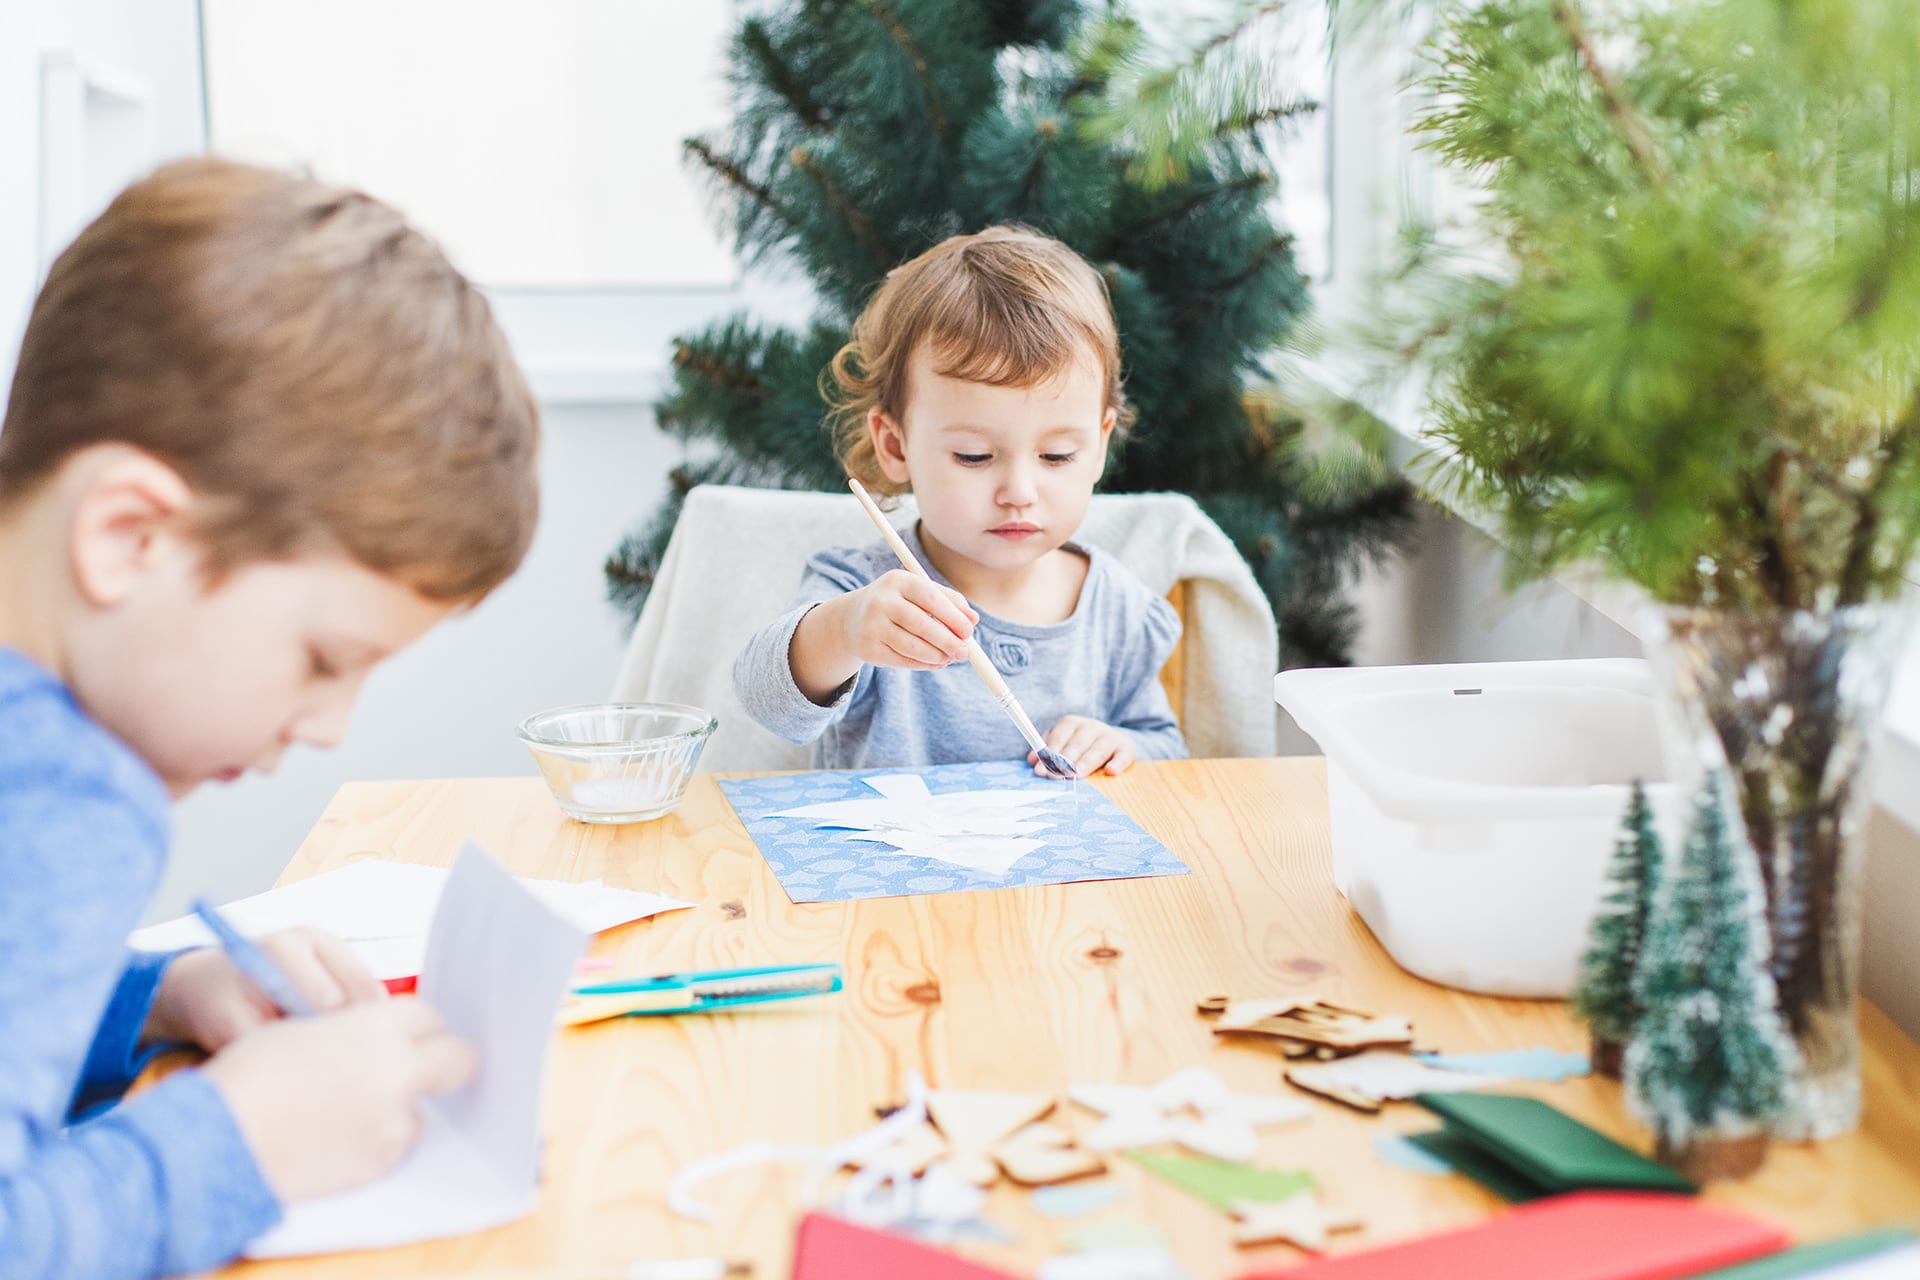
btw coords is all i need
(735, 559)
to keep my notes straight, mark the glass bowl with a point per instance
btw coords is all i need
(616, 762)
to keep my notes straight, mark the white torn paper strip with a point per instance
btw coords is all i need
(985, 831)
(382, 909)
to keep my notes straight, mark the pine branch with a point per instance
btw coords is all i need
(737, 178)
(1773, 568)
(779, 76)
(1279, 246)
(1633, 129)
(862, 226)
(1248, 121)
(1198, 200)
(1233, 34)
(1866, 530)
(625, 576)
(1048, 132)
(897, 30)
(733, 377)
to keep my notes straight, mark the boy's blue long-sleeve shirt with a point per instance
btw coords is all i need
(161, 1183)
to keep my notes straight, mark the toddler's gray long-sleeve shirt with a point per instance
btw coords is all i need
(1103, 662)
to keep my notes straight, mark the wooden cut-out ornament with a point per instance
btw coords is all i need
(1301, 1221)
(976, 1134)
(1365, 1080)
(1041, 1155)
(1312, 1024)
(1193, 1107)
(976, 1121)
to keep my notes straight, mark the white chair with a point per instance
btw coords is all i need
(735, 560)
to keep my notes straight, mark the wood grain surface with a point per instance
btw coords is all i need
(1032, 988)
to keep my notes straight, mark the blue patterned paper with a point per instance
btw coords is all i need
(1090, 839)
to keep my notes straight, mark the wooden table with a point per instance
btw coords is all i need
(1032, 988)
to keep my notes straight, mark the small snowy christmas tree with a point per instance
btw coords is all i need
(1604, 996)
(1709, 1060)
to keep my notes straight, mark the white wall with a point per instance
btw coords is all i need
(149, 46)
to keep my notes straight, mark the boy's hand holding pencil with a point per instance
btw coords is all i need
(322, 1073)
(205, 1000)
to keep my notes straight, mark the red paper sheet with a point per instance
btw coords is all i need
(1590, 1235)
(833, 1249)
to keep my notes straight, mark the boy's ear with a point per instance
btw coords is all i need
(128, 519)
(1108, 421)
(889, 445)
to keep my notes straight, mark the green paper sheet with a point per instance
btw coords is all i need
(1221, 1182)
(1463, 1157)
(1546, 1146)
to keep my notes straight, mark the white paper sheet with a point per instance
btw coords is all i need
(1899, 1263)
(983, 830)
(382, 910)
(498, 964)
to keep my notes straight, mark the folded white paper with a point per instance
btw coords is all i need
(382, 910)
(499, 962)
(982, 830)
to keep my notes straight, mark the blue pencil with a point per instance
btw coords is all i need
(255, 963)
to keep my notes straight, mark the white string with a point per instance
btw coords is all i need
(822, 1162)
(680, 1189)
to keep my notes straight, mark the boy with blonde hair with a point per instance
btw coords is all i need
(261, 435)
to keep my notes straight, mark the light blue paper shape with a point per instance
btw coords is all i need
(1074, 1199)
(1517, 1064)
(1395, 1149)
(1087, 837)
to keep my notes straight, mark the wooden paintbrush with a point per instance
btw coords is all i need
(1050, 760)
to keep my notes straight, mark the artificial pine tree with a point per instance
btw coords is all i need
(1709, 1062)
(1604, 996)
(867, 130)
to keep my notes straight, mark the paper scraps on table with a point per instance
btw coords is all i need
(1113, 1234)
(1395, 1149)
(1113, 1264)
(1074, 1199)
(981, 1134)
(864, 1193)
(1192, 1107)
(383, 909)
(1367, 1080)
(1537, 1063)
(1222, 1183)
(477, 1162)
(887, 1190)
(876, 833)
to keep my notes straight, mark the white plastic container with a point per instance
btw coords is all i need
(1474, 807)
